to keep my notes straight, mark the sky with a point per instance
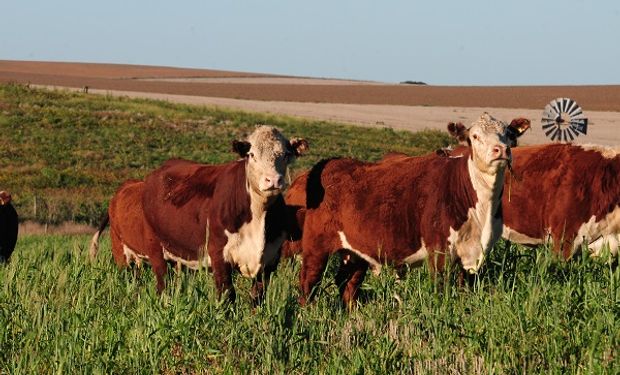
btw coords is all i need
(476, 42)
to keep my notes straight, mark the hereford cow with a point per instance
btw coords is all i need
(296, 194)
(565, 194)
(8, 226)
(403, 210)
(221, 216)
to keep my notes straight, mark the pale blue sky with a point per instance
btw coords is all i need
(439, 42)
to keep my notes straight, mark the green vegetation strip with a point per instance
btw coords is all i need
(528, 313)
(64, 153)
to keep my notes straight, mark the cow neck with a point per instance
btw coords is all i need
(488, 189)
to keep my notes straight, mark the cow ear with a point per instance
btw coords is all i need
(241, 147)
(299, 146)
(519, 126)
(458, 131)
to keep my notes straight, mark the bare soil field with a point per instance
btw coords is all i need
(410, 107)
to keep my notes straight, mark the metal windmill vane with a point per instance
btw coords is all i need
(563, 120)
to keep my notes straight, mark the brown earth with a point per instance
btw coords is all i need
(131, 78)
(375, 104)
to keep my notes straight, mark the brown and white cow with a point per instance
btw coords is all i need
(565, 194)
(296, 195)
(220, 216)
(403, 210)
(8, 226)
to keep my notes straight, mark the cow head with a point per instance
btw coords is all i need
(268, 155)
(516, 129)
(489, 144)
(5, 198)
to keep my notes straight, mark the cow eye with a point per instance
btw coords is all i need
(251, 154)
(475, 136)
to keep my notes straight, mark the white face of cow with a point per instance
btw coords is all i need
(489, 144)
(269, 153)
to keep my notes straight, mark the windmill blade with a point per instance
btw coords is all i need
(564, 107)
(552, 130)
(555, 103)
(550, 113)
(580, 125)
(573, 108)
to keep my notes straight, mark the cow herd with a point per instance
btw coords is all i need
(446, 207)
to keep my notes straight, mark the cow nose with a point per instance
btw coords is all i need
(274, 181)
(500, 151)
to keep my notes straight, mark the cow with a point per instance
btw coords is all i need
(564, 194)
(218, 216)
(8, 227)
(296, 194)
(403, 211)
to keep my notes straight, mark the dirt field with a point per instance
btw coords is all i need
(410, 107)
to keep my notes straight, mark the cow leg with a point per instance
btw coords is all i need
(117, 249)
(155, 254)
(261, 282)
(222, 273)
(160, 267)
(349, 277)
(222, 270)
(312, 268)
(561, 246)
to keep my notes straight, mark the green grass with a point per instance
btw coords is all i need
(528, 313)
(64, 154)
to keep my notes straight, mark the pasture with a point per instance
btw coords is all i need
(65, 154)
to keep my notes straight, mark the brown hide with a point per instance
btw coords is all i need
(557, 188)
(183, 199)
(386, 210)
(296, 204)
(129, 232)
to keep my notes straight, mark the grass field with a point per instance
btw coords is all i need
(528, 312)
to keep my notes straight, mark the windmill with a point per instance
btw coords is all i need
(563, 120)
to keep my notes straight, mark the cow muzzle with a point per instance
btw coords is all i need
(500, 152)
(272, 183)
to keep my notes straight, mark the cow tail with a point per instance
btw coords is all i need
(94, 243)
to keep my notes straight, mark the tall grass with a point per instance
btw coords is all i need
(527, 313)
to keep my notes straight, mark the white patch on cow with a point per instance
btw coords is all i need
(606, 152)
(418, 257)
(482, 229)
(248, 249)
(133, 256)
(204, 262)
(514, 236)
(375, 266)
(596, 234)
